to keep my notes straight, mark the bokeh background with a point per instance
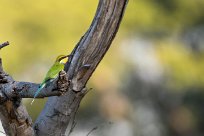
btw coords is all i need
(151, 81)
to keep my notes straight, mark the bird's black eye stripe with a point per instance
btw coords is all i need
(61, 58)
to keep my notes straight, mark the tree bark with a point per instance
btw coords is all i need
(58, 111)
(14, 116)
(57, 117)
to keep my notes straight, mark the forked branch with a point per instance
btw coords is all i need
(59, 112)
(56, 116)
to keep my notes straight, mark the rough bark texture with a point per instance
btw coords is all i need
(89, 51)
(57, 117)
(13, 114)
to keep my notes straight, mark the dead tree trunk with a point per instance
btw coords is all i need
(57, 117)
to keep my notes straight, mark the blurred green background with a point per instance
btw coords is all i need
(151, 81)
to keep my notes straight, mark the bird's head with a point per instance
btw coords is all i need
(61, 58)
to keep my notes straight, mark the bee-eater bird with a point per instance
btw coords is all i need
(52, 73)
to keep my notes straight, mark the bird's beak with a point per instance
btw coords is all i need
(64, 57)
(69, 55)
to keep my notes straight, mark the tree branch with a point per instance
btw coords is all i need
(28, 90)
(56, 88)
(4, 44)
(56, 116)
(59, 111)
(13, 114)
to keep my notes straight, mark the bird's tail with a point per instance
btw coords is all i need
(36, 94)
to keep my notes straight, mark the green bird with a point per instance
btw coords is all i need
(52, 73)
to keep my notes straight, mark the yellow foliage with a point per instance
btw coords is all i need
(184, 67)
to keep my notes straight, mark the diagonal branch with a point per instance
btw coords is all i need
(59, 111)
(56, 116)
(4, 44)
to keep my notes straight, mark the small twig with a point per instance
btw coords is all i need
(4, 44)
(72, 126)
(2, 132)
(99, 126)
(93, 129)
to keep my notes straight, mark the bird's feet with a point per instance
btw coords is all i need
(63, 83)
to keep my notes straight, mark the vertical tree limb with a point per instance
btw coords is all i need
(14, 116)
(59, 111)
(56, 116)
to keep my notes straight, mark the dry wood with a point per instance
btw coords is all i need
(59, 111)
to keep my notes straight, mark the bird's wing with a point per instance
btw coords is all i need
(51, 74)
(54, 71)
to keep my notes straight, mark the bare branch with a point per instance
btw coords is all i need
(56, 116)
(93, 129)
(13, 114)
(27, 90)
(4, 44)
(56, 88)
(59, 111)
